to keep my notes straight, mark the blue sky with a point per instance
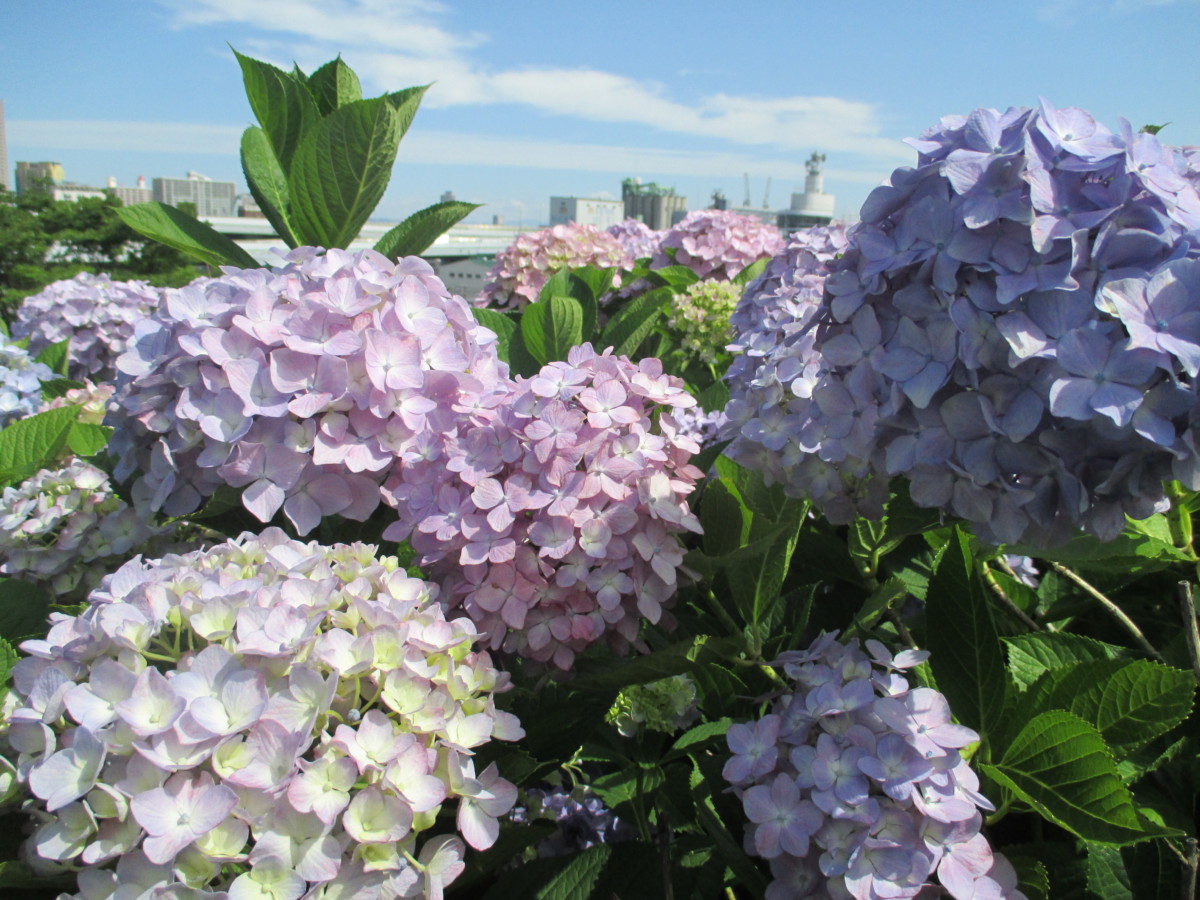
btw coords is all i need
(533, 99)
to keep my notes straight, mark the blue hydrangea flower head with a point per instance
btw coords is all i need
(1013, 326)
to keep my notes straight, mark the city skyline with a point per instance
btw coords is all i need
(518, 114)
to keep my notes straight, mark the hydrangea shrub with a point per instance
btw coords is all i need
(854, 785)
(300, 385)
(93, 313)
(522, 270)
(267, 717)
(1013, 328)
(552, 515)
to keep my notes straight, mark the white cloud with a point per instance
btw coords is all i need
(400, 42)
(154, 137)
(429, 148)
(450, 148)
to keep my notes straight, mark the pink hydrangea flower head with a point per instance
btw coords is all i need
(303, 708)
(717, 244)
(522, 270)
(301, 385)
(553, 519)
(853, 770)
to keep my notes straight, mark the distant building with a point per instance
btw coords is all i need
(129, 195)
(814, 206)
(39, 176)
(5, 182)
(73, 193)
(246, 207)
(50, 178)
(586, 211)
(212, 198)
(464, 275)
(659, 207)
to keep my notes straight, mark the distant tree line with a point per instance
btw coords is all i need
(43, 240)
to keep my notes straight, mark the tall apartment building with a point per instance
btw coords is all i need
(129, 195)
(659, 207)
(32, 176)
(5, 181)
(212, 198)
(586, 211)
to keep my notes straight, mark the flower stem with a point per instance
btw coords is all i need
(1115, 611)
(1006, 601)
(1187, 608)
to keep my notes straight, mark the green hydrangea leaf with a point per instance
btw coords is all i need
(414, 235)
(1061, 766)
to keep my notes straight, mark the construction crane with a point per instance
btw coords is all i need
(766, 194)
(746, 176)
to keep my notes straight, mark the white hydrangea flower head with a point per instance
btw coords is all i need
(264, 716)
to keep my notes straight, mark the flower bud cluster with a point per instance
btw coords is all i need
(21, 380)
(667, 705)
(701, 314)
(300, 385)
(639, 239)
(717, 244)
(1015, 329)
(854, 785)
(552, 515)
(94, 313)
(264, 718)
(64, 529)
(522, 270)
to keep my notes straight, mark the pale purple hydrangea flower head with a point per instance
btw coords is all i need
(638, 238)
(21, 378)
(266, 717)
(522, 270)
(853, 785)
(300, 385)
(717, 244)
(1014, 328)
(94, 313)
(551, 516)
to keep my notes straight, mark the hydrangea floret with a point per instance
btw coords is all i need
(854, 785)
(93, 313)
(264, 718)
(667, 705)
(1014, 328)
(700, 314)
(522, 269)
(64, 529)
(717, 244)
(552, 517)
(300, 385)
(21, 378)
